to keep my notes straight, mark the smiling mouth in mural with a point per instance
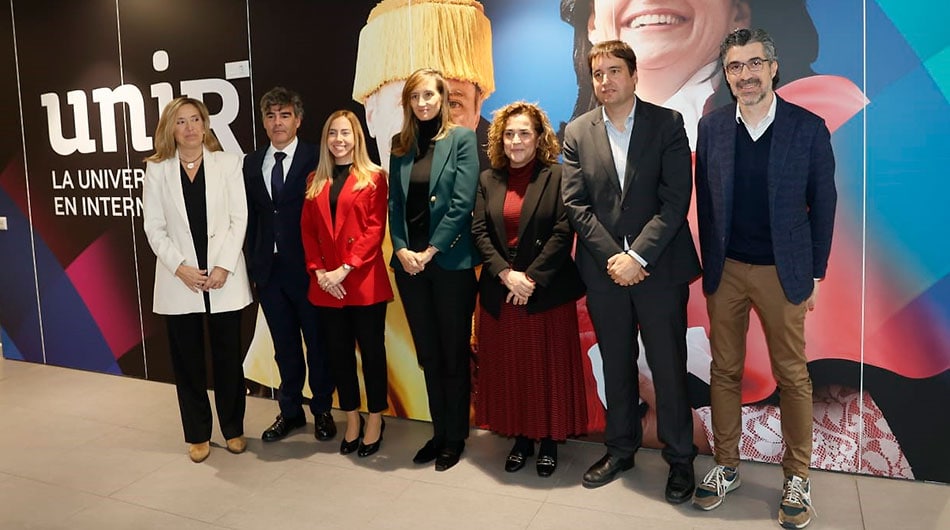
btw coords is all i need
(653, 20)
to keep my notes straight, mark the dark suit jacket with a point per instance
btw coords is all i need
(452, 186)
(651, 210)
(802, 195)
(284, 214)
(545, 240)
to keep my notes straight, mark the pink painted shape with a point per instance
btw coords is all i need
(836, 99)
(104, 287)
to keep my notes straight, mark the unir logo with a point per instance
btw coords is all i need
(131, 96)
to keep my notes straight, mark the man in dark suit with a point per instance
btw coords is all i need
(275, 178)
(627, 188)
(765, 197)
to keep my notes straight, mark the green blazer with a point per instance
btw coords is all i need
(452, 188)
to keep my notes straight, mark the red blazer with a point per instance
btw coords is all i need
(356, 239)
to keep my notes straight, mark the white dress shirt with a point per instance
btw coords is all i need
(619, 144)
(269, 162)
(756, 131)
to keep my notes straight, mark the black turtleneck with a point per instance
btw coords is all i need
(417, 197)
(340, 174)
(427, 131)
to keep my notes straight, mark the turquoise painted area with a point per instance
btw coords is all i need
(908, 153)
(939, 68)
(923, 23)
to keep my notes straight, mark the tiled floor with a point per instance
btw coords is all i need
(83, 450)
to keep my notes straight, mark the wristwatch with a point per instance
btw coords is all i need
(347, 267)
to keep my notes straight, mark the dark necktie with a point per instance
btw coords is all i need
(277, 175)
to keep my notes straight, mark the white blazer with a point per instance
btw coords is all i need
(168, 233)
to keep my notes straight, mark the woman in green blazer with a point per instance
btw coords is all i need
(433, 175)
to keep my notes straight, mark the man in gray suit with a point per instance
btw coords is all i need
(626, 185)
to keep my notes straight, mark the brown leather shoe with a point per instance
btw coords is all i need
(199, 452)
(237, 445)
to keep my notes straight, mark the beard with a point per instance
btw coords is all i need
(749, 99)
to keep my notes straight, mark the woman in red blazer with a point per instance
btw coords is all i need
(343, 222)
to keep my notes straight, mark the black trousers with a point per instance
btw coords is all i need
(288, 313)
(186, 339)
(659, 311)
(439, 304)
(343, 329)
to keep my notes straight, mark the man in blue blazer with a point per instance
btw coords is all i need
(276, 178)
(765, 196)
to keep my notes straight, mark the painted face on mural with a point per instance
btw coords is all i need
(384, 116)
(465, 103)
(678, 34)
(749, 87)
(281, 124)
(189, 127)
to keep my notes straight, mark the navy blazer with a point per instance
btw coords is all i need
(651, 210)
(267, 218)
(802, 195)
(452, 185)
(545, 241)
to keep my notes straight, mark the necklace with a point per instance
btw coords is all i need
(191, 165)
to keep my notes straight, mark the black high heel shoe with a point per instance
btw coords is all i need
(348, 447)
(370, 449)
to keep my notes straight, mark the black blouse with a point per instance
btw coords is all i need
(340, 174)
(197, 210)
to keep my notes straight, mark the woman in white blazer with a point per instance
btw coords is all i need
(195, 214)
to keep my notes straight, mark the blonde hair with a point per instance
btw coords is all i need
(363, 168)
(165, 144)
(547, 147)
(400, 36)
(406, 139)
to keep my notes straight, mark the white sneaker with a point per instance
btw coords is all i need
(715, 485)
(795, 510)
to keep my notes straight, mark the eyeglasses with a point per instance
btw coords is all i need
(754, 64)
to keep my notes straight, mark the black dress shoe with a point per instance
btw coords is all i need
(605, 470)
(370, 449)
(680, 483)
(547, 458)
(519, 454)
(324, 428)
(348, 447)
(449, 456)
(429, 452)
(282, 427)
(546, 465)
